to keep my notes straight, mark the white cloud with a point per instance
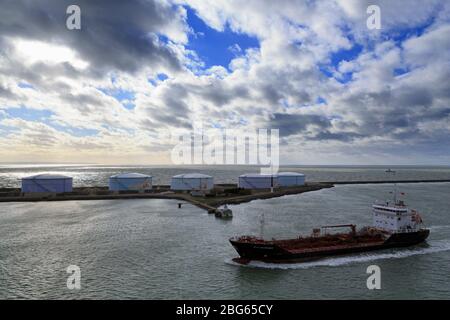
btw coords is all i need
(428, 48)
(30, 52)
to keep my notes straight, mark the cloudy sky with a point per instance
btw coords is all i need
(113, 91)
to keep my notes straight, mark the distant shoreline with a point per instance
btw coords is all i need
(100, 165)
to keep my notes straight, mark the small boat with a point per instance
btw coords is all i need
(394, 225)
(224, 213)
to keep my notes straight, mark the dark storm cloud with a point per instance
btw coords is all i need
(291, 124)
(218, 93)
(271, 93)
(115, 34)
(85, 103)
(41, 75)
(81, 98)
(173, 98)
(339, 136)
(312, 127)
(415, 97)
(5, 92)
(397, 113)
(175, 112)
(293, 83)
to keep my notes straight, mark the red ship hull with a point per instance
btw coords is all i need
(301, 249)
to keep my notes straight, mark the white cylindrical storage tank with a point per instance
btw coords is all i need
(130, 182)
(54, 183)
(289, 179)
(192, 181)
(257, 181)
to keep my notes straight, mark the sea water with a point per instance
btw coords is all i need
(150, 249)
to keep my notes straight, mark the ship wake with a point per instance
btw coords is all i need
(440, 227)
(431, 247)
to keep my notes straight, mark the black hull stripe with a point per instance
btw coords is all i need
(273, 253)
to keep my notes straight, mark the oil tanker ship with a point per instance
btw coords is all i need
(394, 225)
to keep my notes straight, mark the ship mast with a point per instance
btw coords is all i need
(261, 226)
(395, 185)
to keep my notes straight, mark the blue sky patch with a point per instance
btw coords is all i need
(128, 105)
(28, 113)
(401, 71)
(345, 55)
(321, 100)
(125, 97)
(160, 77)
(45, 117)
(401, 34)
(25, 85)
(74, 131)
(329, 69)
(216, 48)
(345, 77)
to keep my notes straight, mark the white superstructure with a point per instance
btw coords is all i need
(395, 216)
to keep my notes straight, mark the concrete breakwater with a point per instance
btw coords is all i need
(221, 195)
(387, 181)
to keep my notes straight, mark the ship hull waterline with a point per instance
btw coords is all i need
(270, 252)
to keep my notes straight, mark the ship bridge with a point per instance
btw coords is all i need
(394, 209)
(394, 217)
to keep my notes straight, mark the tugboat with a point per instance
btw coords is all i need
(224, 213)
(394, 225)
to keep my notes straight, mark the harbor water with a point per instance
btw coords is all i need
(151, 249)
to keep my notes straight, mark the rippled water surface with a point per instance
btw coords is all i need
(150, 249)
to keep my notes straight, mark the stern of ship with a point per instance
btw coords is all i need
(404, 239)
